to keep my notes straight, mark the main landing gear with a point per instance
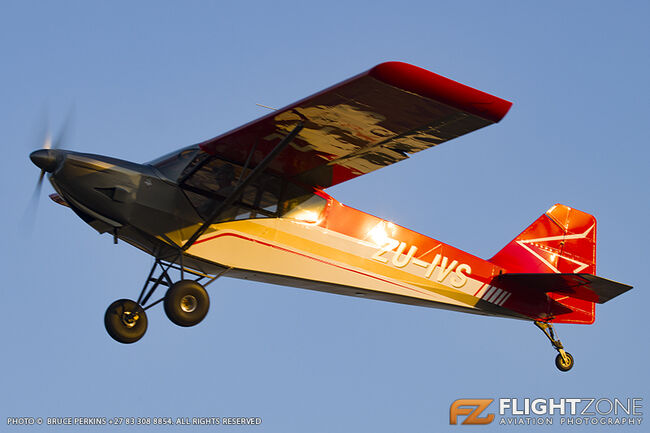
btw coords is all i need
(564, 360)
(186, 302)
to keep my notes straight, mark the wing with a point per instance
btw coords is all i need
(369, 121)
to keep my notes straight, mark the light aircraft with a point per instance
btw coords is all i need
(250, 204)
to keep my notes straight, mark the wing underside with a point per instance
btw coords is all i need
(367, 122)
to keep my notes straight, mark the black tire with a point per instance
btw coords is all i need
(186, 303)
(561, 365)
(125, 321)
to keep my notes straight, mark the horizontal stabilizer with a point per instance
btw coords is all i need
(581, 286)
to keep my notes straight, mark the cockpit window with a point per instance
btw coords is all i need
(213, 182)
(173, 164)
(307, 208)
(208, 181)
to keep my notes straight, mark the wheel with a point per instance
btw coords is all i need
(125, 321)
(186, 303)
(561, 364)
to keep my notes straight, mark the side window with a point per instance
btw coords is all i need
(216, 179)
(306, 208)
(257, 203)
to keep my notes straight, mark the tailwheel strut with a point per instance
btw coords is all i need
(564, 360)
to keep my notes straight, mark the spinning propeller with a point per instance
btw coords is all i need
(46, 158)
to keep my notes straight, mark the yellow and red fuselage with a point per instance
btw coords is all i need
(345, 251)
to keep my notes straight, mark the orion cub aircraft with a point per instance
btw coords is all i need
(251, 204)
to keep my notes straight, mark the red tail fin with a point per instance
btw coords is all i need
(563, 240)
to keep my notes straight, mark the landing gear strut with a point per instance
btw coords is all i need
(186, 301)
(564, 360)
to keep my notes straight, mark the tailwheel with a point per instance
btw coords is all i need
(563, 360)
(186, 303)
(564, 363)
(125, 321)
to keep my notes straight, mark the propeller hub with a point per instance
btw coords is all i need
(45, 159)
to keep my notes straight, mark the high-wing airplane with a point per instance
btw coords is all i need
(250, 204)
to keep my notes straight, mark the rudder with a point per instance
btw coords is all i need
(562, 240)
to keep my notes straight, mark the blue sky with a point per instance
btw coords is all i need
(147, 77)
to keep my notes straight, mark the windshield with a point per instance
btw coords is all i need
(173, 163)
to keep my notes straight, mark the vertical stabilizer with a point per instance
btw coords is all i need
(563, 240)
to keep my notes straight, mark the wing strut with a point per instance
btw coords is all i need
(243, 184)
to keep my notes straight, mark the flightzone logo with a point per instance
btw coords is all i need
(547, 411)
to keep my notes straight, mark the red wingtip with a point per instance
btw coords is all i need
(428, 84)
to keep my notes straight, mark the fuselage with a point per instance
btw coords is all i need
(314, 243)
(339, 249)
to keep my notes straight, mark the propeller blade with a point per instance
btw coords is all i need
(47, 142)
(64, 132)
(29, 217)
